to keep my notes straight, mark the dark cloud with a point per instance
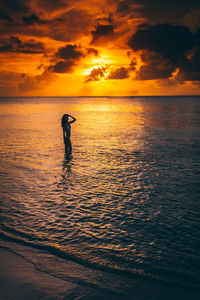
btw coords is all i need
(34, 19)
(156, 11)
(171, 47)
(65, 26)
(52, 5)
(190, 67)
(168, 40)
(155, 67)
(69, 56)
(63, 66)
(129, 8)
(14, 44)
(15, 5)
(122, 72)
(123, 8)
(102, 31)
(119, 73)
(96, 74)
(5, 17)
(132, 65)
(69, 52)
(92, 51)
(71, 25)
(192, 19)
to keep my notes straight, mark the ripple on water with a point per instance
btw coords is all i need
(126, 200)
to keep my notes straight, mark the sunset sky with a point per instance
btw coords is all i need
(97, 48)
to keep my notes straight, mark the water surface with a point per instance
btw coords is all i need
(127, 201)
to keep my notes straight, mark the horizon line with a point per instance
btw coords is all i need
(189, 95)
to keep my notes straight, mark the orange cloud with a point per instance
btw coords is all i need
(98, 48)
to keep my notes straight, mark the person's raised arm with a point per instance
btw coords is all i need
(73, 119)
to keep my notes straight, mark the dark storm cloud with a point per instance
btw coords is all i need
(119, 73)
(168, 40)
(156, 11)
(69, 56)
(173, 47)
(69, 52)
(34, 19)
(65, 26)
(14, 44)
(190, 67)
(123, 8)
(5, 17)
(15, 5)
(102, 31)
(155, 67)
(63, 66)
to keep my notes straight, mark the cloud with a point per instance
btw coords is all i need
(166, 48)
(192, 19)
(5, 17)
(65, 26)
(36, 82)
(52, 5)
(69, 52)
(14, 44)
(102, 31)
(190, 67)
(129, 8)
(71, 25)
(63, 66)
(15, 6)
(122, 72)
(34, 19)
(155, 67)
(156, 11)
(119, 73)
(168, 40)
(68, 57)
(96, 74)
(92, 51)
(67, 32)
(123, 8)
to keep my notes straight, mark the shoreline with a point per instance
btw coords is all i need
(21, 280)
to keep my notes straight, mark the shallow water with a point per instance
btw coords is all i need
(126, 201)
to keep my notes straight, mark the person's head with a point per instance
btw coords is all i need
(64, 120)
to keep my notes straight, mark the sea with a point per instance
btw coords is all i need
(121, 213)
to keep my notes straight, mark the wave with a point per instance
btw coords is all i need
(135, 274)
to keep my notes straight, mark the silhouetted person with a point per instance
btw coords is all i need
(65, 123)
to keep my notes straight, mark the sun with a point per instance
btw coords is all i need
(95, 63)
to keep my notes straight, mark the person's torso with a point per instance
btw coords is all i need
(68, 129)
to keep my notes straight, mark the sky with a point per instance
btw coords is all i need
(99, 47)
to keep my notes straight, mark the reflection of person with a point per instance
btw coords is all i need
(65, 123)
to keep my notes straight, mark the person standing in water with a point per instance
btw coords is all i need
(66, 125)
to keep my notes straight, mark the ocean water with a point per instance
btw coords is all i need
(125, 204)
